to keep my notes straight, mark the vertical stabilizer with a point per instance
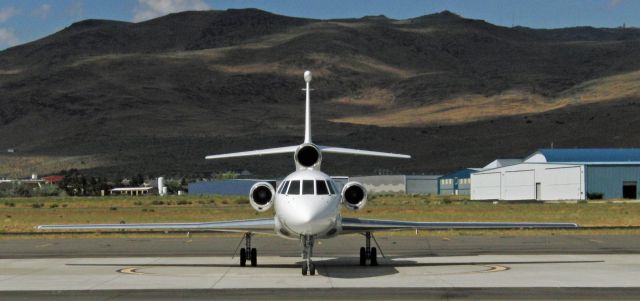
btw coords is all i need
(307, 115)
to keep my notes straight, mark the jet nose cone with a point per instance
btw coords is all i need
(303, 217)
(310, 219)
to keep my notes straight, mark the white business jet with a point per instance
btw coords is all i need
(307, 206)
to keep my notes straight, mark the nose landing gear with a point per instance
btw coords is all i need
(307, 252)
(368, 252)
(248, 253)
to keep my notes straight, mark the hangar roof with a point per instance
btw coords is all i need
(460, 174)
(502, 163)
(586, 155)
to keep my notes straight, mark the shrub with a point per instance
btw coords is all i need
(48, 190)
(37, 205)
(242, 202)
(53, 206)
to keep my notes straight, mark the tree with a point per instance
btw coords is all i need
(229, 175)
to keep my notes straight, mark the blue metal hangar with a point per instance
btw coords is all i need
(456, 183)
(563, 174)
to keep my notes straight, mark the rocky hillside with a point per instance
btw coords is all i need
(156, 97)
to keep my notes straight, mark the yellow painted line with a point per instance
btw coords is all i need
(131, 271)
(495, 268)
(596, 241)
(43, 245)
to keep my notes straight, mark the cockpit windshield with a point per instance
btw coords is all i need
(283, 187)
(321, 187)
(307, 187)
(294, 187)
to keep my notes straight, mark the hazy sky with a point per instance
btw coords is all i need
(22, 21)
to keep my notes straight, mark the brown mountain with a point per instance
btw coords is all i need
(156, 97)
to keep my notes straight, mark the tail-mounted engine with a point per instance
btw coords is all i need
(261, 196)
(308, 156)
(354, 196)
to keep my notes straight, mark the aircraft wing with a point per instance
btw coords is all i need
(268, 151)
(266, 225)
(350, 151)
(356, 225)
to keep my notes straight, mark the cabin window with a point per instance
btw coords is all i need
(307, 187)
(330, 184)
(321, 187)
(283, 188)
(294, 187)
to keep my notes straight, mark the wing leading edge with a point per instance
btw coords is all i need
(269, 151)
(359, 152)
(266, 225)
(355, 225)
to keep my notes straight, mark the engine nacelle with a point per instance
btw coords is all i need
(261, 196)
(308, 156)
(354, 196)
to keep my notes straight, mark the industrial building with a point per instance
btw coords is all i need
(224, 187)
(562, 174)
(401, 184)
(456, 183)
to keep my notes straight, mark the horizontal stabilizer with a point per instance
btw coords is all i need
(355, 225)
(254, 225)
(269, 151)
(349, 151)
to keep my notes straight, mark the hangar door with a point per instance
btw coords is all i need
(485, 186)
(519, 185)
(562, 183)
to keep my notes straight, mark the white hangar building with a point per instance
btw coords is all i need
(562, 174)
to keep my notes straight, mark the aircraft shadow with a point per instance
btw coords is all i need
(345, 268)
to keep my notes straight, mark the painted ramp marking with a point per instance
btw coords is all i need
(131, 271)
(495, 268)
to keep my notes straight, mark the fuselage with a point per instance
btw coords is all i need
(307, 202)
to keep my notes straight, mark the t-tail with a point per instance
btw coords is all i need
(308, 155)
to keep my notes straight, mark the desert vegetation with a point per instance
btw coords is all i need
(23, 214)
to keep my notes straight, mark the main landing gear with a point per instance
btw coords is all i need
(307, 252)
(368, 253)
(248, 252)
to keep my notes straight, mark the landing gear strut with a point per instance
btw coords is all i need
(248, 252)
(368, 253)
(307, 253)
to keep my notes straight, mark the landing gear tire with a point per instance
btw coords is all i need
(312, 269)
(363, 256)
(254, 257)
(243, 257)
(304, 268)
(373, 260)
